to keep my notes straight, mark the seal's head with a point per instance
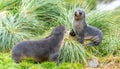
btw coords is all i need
(79, 14)
(59, 30)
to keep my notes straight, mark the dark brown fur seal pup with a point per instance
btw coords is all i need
(83, 31)
(46, 49)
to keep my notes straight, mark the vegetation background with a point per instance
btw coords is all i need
(35, 19)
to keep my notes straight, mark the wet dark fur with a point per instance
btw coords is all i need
(83, 31)
(46, 49)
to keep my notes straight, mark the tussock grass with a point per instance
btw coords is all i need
(72, 52)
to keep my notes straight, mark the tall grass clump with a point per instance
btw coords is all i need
(14, 28)
(72, 52)
(44, 11)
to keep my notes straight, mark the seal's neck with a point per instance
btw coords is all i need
(80, 21)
